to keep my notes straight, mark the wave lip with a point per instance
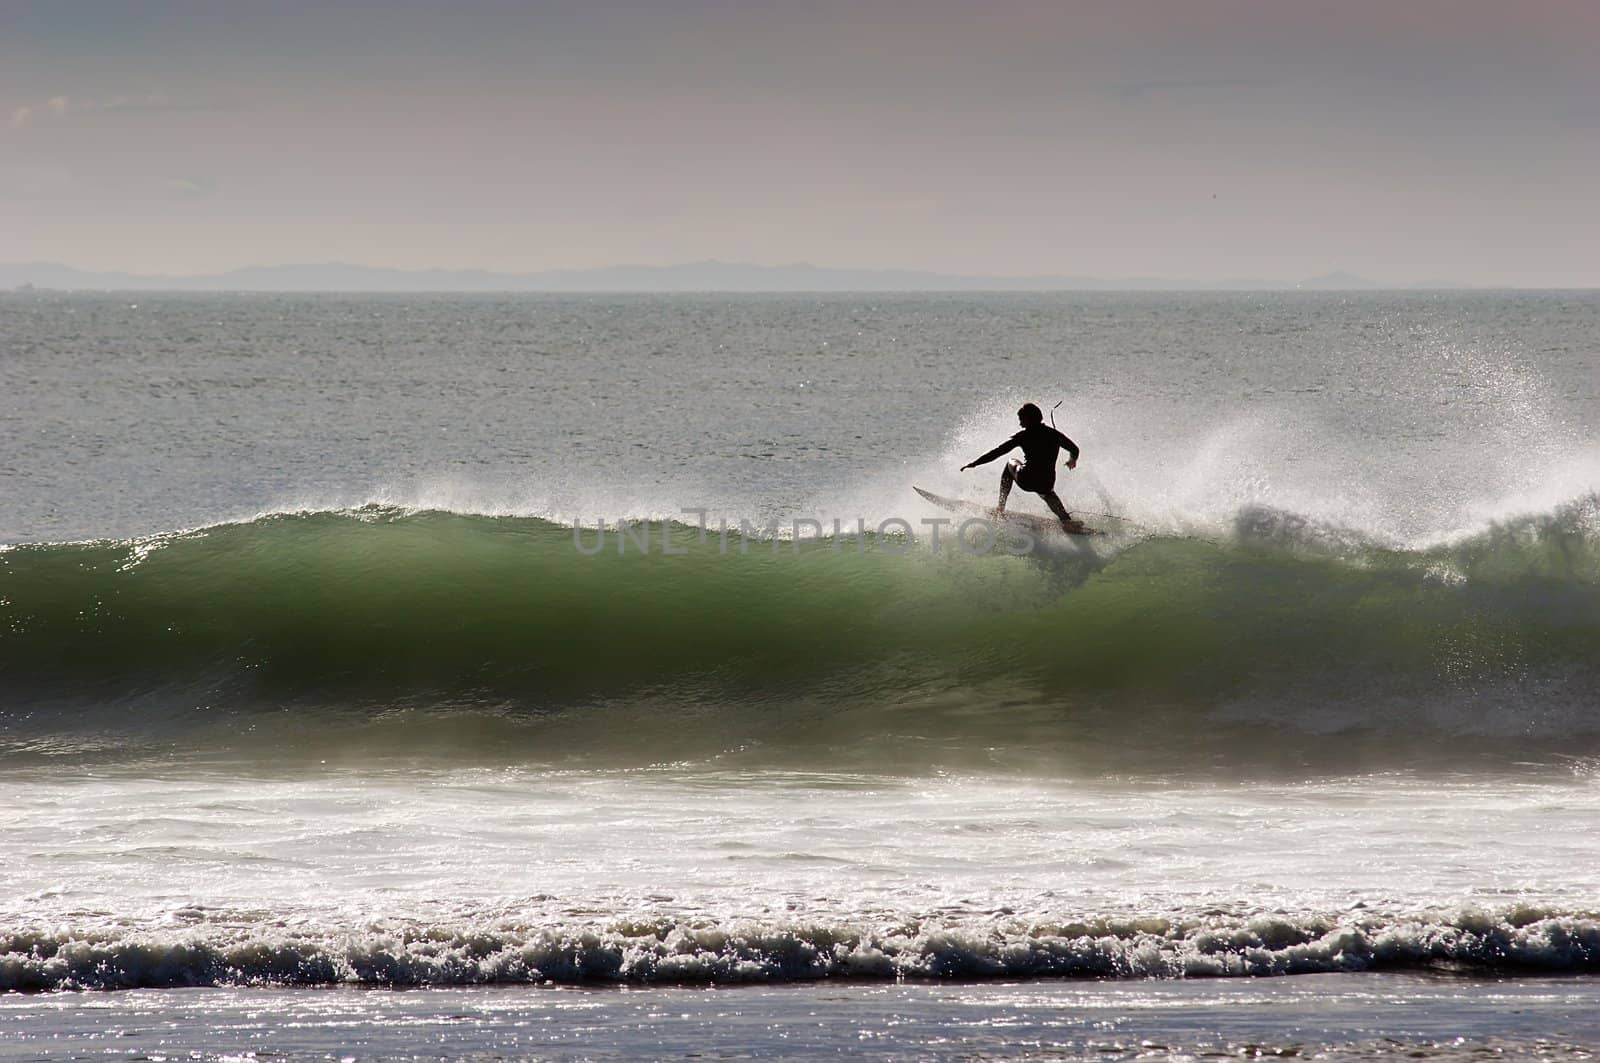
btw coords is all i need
(1510, 942)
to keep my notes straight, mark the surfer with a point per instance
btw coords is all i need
(1040, 444)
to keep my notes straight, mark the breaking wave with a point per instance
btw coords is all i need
(437, 629)
(1510, 942)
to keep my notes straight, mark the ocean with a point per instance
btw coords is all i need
(580, 677)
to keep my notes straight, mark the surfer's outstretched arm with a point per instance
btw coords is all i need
(1009, 444)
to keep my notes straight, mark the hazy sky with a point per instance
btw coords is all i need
(1406, 141)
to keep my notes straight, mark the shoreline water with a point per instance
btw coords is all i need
(1324, 1017)
(394, 874)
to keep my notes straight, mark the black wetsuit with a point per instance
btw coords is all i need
(1041, 445)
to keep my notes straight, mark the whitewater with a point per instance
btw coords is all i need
(324, 665)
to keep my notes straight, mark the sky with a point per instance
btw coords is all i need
(1403, 140)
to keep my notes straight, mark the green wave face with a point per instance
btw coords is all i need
(498, 637)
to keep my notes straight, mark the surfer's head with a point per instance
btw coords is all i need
(1030, 415)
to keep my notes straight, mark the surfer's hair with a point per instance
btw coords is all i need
(1030, 414)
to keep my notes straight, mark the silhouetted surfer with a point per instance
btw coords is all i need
(1040, 444)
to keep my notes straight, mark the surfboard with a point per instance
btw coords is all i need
(1035, 525)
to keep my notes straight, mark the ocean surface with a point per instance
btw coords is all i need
(580, 677)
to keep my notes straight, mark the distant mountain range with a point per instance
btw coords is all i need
(688, 277)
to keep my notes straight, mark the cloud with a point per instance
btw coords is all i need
(57, 108)
(54, 108)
